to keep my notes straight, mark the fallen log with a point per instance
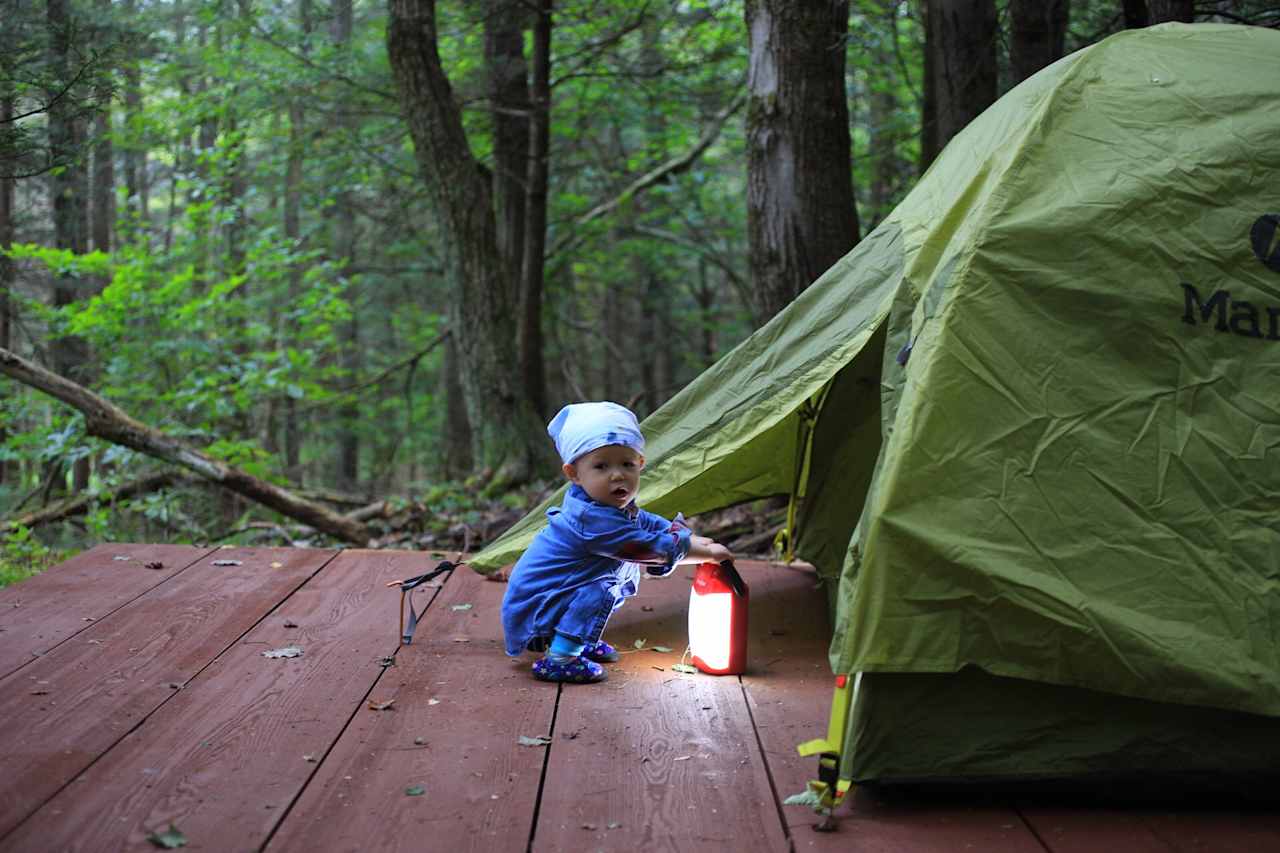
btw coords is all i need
(107, 421)
(80, 504)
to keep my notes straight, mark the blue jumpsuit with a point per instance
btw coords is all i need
(582, 566)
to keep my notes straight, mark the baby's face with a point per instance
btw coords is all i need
(609, 474)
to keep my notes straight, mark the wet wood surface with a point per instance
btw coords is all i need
(138, 699)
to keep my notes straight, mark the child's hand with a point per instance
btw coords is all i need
(718, 552)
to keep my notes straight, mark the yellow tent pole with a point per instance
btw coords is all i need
(807, 428)
(829, 789)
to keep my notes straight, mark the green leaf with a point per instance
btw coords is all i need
(639, 644)
(536, 740)
(414, 791)
(170, 839)
(662, 648)
(684, 667)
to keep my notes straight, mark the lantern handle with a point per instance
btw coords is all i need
(735, 579)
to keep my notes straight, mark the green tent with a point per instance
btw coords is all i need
(1031, 426)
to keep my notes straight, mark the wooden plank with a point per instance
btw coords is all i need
(1153, 829)
(43, 611)
(1070, 829)
(479, 784)
(225, 757)
(789, 686)
(653, 759)
(63, 711)
(1218, 829)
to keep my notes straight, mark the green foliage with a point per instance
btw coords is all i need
(23, 555)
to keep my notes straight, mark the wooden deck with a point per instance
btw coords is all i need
(136, 696)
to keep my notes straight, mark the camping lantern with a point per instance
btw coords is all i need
(718, 619)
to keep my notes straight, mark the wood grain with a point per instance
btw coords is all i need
(43, 611)
(67, 708)
(479, 784)
(653, 759)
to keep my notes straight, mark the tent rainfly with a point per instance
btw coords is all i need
(1031, 429)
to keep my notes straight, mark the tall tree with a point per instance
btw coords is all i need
(801, 216)
(6, 235)
(293, 235)
(1135, 13)
(344, 247)
(533, 259)
(68, 185)
(1172, 10)
(1037, 33)
(506, 432)
(135, 152)
(963, 46)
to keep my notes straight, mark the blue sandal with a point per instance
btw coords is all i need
(600, 652)
(577, 670)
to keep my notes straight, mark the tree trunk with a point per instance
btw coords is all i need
(1172, 10)
(344, 243)
(1037, 33)
(507, 435)
(68, 190)
(929, 146)
(509, 107)
(293, 234)
(801, 216)
(6, 240)
(965, 62)
(1136, 15)
(533, 263)
(104, 419)
(456, 440)
(135, 154)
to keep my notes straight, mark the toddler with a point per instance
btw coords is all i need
(586, 562)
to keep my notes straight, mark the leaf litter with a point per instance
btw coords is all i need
(286, 652)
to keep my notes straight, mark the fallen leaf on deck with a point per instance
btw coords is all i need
(386, 661)
(682, 758)
(639, 644)
(121, 559)
(310, 758)
(228, 563)
(171, 839)
(375, 705)
(173, 685)
(684, 667)
(289, 623)
(662, 648)
(277, 565)
(286, 652)
(433, 701)
(155, 565)
(614, 825)
(39, 692)
(419, 741)
(646, 608)
(414, 791)
(589, 826)
(658, 668)
(460, 607)
(87, 619)
(536, 740)
(95, 642)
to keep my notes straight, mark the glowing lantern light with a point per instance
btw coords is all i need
(718, 619)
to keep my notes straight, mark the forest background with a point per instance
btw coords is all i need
(316, 271)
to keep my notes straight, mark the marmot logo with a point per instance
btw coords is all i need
(1265, 236)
